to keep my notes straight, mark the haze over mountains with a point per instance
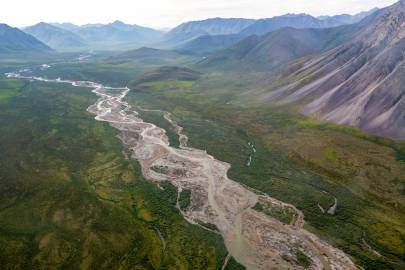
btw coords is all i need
(264, 26)
(117, 32)
(68, 36)
(276, 48)
(55, 37)
(197, 37)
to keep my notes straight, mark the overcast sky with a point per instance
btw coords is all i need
(168, 13)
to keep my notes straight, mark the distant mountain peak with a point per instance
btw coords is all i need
(44, 25)
(4, 26)
(295, 15)
(117, 33)
(65, 25)
(54, 36)
(118, 22)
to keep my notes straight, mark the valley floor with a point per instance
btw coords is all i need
(302, 162)
(70, 199)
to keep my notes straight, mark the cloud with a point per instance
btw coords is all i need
(162, 13)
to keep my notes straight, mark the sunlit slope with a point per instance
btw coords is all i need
(360, 83)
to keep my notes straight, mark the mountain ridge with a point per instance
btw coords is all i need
(116, 32)
(213, 26)
(201, 42)
(93, 36)
(15, 40)
(55, 37)
(270, 51)
(303, 21)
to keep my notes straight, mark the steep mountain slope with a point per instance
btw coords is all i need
(169, 73)
(360, 83)
(15, 40)
(146, 55)
(117, 32)
(276, 48)
(216, 26)
(207, 43)
(54, 37)
(264, 26)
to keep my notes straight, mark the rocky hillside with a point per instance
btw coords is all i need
(360, 83)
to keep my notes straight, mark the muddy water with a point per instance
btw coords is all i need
(254, 239)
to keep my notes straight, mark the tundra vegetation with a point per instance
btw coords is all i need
(70, 199)
(300, 161)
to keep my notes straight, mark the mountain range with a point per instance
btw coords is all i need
(298, 21)
(351, 74)
(214, 34)
(117, 32)
(68, 36)
(198, 37)
(276, 48)
(271, 50)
